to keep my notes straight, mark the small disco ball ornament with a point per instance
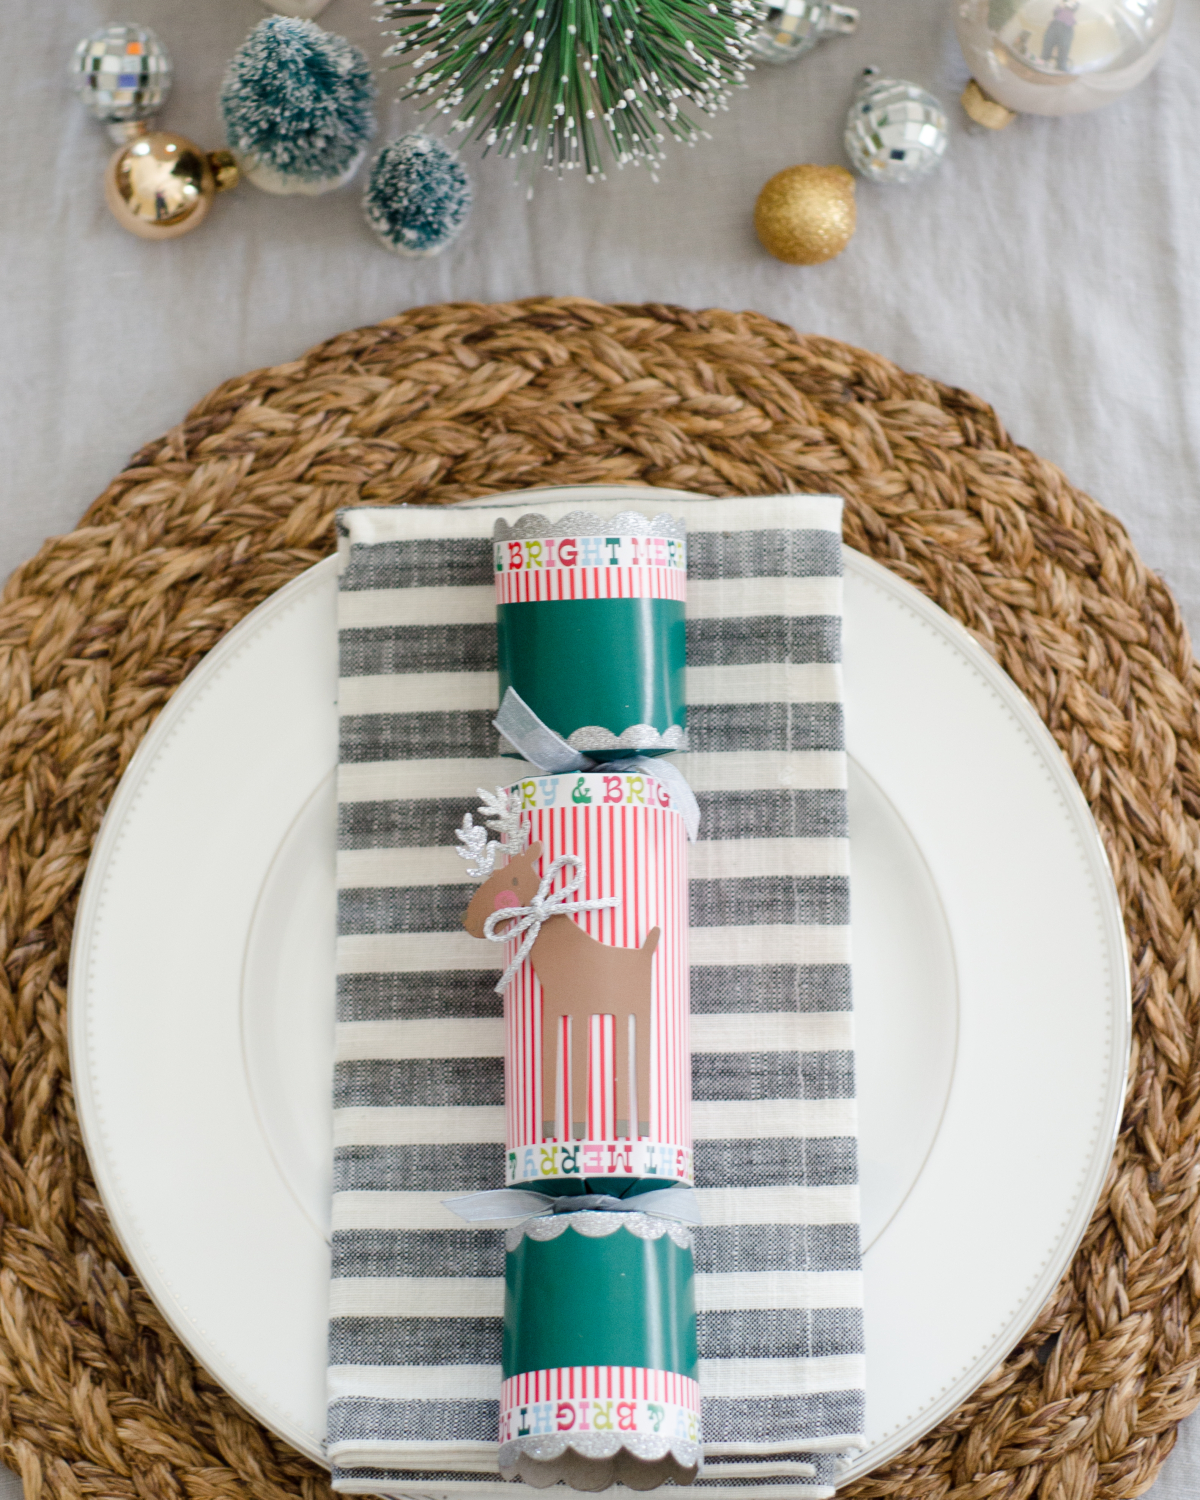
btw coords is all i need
(806, 214)
(895, 131)
(1056, 57)
(162, 185)
(791, 29)
(122, 74)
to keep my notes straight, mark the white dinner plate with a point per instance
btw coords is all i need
(990, 975)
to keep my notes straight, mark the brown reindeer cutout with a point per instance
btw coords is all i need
(580, 977)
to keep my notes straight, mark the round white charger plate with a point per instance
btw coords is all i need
(990, 977)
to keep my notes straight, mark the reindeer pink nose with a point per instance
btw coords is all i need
(505, 897)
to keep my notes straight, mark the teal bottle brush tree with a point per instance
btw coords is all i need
(297, 102)
(418, 196)
(572, 84)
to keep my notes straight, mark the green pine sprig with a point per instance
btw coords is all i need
(565, 82)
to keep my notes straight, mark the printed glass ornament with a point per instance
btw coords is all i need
(795, 27)
(895, 131)
(1059, 57)
(122, 75)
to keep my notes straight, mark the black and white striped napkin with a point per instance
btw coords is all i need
(417, 1295)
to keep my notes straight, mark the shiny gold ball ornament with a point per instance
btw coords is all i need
(806, 215)
(162, 185)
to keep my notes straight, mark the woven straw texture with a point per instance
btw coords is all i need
(97, 1397)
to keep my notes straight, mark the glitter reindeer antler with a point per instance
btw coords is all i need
(501, 811)
(473, 846)
(500, 814)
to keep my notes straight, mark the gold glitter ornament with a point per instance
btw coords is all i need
(806, 215)
(162, 185)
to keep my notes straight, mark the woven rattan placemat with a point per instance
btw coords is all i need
(97, 1397)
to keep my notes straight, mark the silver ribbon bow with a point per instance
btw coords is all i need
(532, 736)
(545, 904)
(542, 747)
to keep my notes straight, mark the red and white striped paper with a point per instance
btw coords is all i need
(534, 569)
(600, 1398)
(590, 583)
(634, 846)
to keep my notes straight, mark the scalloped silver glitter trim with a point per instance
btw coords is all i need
(636, 737)
(596, 1224)
(588, 523)
(648, 1446)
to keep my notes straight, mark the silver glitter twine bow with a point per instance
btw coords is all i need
(545, 904)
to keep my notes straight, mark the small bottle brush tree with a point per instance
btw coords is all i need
(297, 104)
(569, 82)
(418, 196)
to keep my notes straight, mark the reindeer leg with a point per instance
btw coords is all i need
(643, 1065)
(627, 1104)
(579, 1067)
(551, 1062)
(642, 1012)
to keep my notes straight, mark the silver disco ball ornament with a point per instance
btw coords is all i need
(895, 131)
(1058, 57)
(788, 31)
(123, 76)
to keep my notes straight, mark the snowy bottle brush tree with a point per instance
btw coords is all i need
(297, 102)
(418, 196)
(569, 82)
